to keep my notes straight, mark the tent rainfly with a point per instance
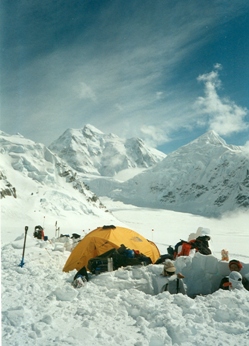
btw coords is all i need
(105, 238)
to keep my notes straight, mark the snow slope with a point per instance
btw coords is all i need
(32, 173)
(206, 177)
(40, 306)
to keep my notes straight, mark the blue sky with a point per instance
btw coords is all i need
(166, 71)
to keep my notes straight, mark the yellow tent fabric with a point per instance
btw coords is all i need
(105, 238)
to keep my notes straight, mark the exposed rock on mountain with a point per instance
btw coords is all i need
(6, 188)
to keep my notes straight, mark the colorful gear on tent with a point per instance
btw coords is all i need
(105, 238)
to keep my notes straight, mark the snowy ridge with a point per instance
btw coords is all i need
(30, 171)
(205, 177)
(89, 150)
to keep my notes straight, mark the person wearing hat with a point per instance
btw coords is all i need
(234, 266)
(235, 281)
(173, 282)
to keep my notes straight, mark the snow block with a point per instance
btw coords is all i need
(203, 273)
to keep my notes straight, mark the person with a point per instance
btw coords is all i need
(80, 278)
(235, 281)
(82, 272)
(173, 283)
(39, 232)
(201, 245)
(234, 266)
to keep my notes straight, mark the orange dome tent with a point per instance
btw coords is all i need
(105, 238)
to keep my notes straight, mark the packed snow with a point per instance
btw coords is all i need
(41, 307)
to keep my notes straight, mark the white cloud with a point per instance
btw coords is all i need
(86, 92)
(246, 147)
(225, 117)
(159, 95)
(218, 66)
(154, 135)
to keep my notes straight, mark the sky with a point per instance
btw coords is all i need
(164, 71)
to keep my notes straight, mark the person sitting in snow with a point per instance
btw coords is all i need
(80, 278)
(235, 281)
(174, 283)
(234, 266)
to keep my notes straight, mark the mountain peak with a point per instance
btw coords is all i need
(211, 137)
(90, 129)
(89, 150)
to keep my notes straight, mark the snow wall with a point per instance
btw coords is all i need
(202, 275)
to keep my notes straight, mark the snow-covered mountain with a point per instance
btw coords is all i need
(41, 307)
(30, 172)
(89, 150)
(206, 177)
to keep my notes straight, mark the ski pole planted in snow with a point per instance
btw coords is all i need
(57, 230)
(22, 261)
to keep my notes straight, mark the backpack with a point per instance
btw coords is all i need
(99, 264)
(183, 248)
(121, 257)
(201, 245)
(38, 232)
(39, 235)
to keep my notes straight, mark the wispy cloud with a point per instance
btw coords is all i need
(154, 134)
(86, 92)
(224, 116)
(115, 65)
